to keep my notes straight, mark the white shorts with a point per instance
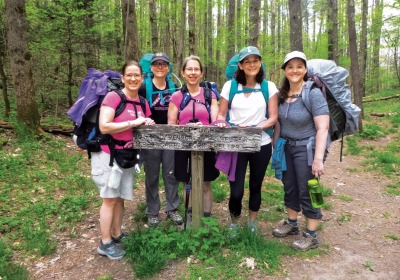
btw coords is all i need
(101, 172)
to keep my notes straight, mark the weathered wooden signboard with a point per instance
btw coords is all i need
(197, 139)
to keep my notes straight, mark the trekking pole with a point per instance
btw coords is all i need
(188, 186)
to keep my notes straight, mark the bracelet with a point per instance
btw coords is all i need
(129, 124)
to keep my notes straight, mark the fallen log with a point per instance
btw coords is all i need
(382, 114)
(382, 98)
(54, 129)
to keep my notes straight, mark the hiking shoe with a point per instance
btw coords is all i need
(120, 238)
(233, 230)
(110, 250)
(252, 227)
(305, 243)
(285, 229)
(152, 221)
(175, 217)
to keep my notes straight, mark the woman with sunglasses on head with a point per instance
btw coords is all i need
(248, 108)
(197, 112)
(114, 192)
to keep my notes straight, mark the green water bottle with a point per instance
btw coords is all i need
(315, 190)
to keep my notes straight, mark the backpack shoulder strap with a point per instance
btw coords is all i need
(143, 104)
(149, 87)
(305, 96)
(121, 106)
(233, 90)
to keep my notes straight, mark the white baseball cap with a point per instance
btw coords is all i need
(294, 54)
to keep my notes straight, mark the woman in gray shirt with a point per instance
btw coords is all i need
(305, 132)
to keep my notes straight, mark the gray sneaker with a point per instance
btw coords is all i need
(110, 250)
(305, 243)
(120, 238)
(152, 221)
(175, 217)
(285, 229)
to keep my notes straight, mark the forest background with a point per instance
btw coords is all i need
(47, 46)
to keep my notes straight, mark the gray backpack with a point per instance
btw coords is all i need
(331, 79)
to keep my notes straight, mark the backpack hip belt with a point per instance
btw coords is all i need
(310, 143)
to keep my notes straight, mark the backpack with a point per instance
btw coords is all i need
(331, 79)
(145, 63)
(187, 97)
(230, 71)
(86, 109)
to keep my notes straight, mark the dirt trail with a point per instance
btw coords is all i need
(357, 248)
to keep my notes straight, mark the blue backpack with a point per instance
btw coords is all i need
(145, 63)
(230, 71)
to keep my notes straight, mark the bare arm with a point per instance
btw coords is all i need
(322, 127)
(223, 110)
(214, 109)
(108, 126)
(272, 113)
(277, 133)
(172, 114)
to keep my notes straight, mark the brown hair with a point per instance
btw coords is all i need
(130, 63)
(192, 57)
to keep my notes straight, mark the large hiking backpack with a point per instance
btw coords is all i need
(230, 71)
(145, 63)
(344, 115)
(85, 111)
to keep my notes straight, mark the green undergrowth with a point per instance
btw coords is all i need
(212, 251)
(44, 190)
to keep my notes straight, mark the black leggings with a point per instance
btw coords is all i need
(258, 165)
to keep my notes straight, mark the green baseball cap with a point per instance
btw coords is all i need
(245, 52)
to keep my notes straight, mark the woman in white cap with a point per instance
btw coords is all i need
(249, 108)
(305, 133)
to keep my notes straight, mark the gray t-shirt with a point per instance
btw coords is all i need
(296, 121)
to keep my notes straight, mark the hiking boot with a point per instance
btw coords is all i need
(175, 217)
(152, 221)
(110, 250)
(305, 243)
(285, 229)
(120, 238)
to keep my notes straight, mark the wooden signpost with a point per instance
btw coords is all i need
(197, 139)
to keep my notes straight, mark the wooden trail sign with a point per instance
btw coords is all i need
(197, 139)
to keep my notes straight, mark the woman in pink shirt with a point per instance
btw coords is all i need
(114, 192)
(198, 111)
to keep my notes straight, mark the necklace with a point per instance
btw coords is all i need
(294, 95)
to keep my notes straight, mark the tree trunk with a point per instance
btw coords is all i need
(254, 29)
(231, 27)
(153, 24)
(363, 46)
(90, 38)
(376, 27)
(354, 68)
(209, 46)
(192, 29)
(117, 29)
(183, 32)
(131, 46)
(20, 64)
(333, 39)
(296, 27)
(3, 76)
